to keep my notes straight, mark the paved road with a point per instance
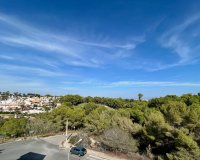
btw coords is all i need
(37, 150)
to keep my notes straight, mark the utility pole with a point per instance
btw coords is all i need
(66, 130)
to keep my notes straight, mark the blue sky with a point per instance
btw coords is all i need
(111, 48)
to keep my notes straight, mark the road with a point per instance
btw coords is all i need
(37, 149)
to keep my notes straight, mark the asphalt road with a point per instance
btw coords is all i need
(37, 149)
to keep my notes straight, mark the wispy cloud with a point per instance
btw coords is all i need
(72, 50)
(5, 57)
(72, 89)
(151, 84)
(183, 40)
(116, 84)
(179, 43)
(32, 70)
(28, 85)
(31, 59)
(160, 66)
(18, 83)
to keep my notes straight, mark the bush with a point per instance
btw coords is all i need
(116, 139)
(85, 142)
(14, 127)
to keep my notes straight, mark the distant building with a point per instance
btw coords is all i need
(27, 104)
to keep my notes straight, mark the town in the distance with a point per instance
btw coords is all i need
(27, 103)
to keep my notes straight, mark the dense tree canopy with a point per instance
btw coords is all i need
(164, 128)
(14, 127)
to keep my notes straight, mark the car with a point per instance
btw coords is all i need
(81, 151)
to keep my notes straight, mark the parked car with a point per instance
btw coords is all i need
(81, 151)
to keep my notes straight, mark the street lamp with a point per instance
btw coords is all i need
(71, 147)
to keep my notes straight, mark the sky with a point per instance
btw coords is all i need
(110, 48)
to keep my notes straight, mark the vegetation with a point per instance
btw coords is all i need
(14, 127)
(162, 128)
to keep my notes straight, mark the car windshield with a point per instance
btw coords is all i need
(83, 149)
